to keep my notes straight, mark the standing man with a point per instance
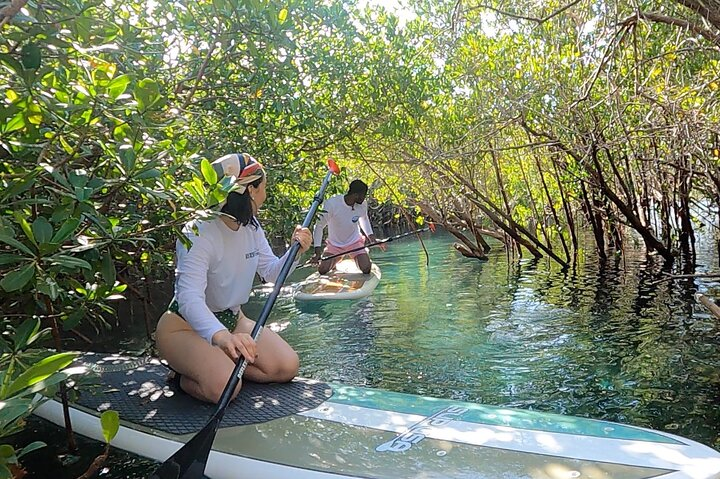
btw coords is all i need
(345, 215)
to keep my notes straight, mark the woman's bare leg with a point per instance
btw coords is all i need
(204, 369)
(277, 362)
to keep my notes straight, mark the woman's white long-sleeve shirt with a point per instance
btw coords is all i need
(343, 222)
(217, 272)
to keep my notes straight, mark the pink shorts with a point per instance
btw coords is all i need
(331, 249)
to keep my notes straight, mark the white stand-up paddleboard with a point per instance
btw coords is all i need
(312, 430)
(345, 281)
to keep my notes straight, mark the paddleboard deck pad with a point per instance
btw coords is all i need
(345, 281)
(309, 429)
(139, 391)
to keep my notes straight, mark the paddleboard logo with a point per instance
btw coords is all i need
(414, 433)
(355, 219)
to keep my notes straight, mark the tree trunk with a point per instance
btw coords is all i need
(493, 212)
(568, 214)
(687, 235)
(594, 220)
(533, 205)
(651, 242)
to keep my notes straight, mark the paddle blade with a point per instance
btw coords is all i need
(332, 166)
(189, 461)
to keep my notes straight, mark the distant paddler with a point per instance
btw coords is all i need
(347, 220)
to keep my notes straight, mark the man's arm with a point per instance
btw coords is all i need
(365, 226)
(367, 229)
(318, 234)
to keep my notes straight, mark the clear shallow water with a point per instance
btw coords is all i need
(614, 341)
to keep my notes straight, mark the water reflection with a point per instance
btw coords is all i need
(613, 339)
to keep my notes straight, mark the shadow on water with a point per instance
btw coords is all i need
(614, 339)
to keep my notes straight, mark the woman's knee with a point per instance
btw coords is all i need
(288, 368)
(168, 324)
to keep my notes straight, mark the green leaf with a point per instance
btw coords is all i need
(151, 173)
(48, 287)
(15, 280)
(208, 172)
(46, 249)
(20, 185)
(78, 178)
(122, 132)
(40, 371)
(33, 446)
(23, 334)
(7, 258)
(45, 384)
(146, 93)
(108, 269)
(65, 230)
(15, 243)
(25, 226)
(69, 261)
(30, 56)
(117, 86)
(5, 472)
(282, 16)
(110, 421)
(66, 146)
(42, 229)
(128, 157)
(13, 409)
(83, 193)
(16, 123)
(73, 319)
(11, 64)
(7, 452)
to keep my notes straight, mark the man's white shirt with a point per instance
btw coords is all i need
(343, 222)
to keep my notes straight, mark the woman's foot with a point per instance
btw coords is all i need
(173, 379)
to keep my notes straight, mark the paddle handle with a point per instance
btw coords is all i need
(242, 362)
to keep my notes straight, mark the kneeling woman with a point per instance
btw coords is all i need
(204, 330)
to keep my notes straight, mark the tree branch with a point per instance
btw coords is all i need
(678, 22)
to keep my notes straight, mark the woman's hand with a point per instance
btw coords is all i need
(303, 236)
(235, 344)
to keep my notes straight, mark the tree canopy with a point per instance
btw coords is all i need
(530, 122)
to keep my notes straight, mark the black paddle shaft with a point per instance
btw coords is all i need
(190, 460)
(382, 241)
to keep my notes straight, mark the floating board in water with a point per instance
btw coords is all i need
(312, 430)
(345, 281)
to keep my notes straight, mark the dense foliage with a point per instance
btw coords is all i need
(529, 122)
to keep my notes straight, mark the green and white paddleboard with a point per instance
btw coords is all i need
(307, 429)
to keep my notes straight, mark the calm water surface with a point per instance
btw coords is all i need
(615, 341)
